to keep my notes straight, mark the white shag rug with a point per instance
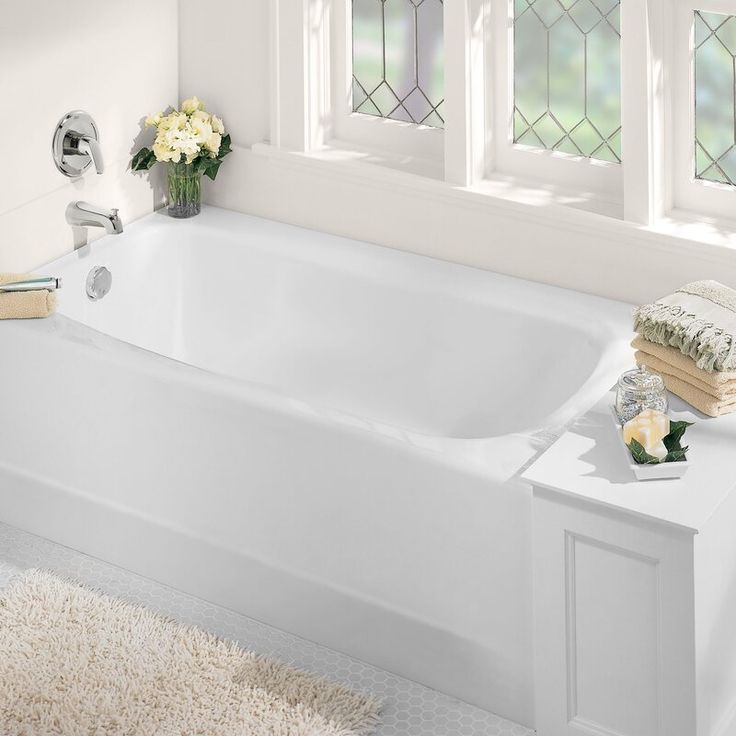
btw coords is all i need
(74, 662)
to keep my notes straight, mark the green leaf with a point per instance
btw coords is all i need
(676, 456)
(224, 147)
(213, 166)
(677, 430)
(200, 164)
(640, 455)
(140, 161)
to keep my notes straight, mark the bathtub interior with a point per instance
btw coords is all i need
(374, 333)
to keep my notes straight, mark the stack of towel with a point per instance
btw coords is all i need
(688, 338)
(25, 304)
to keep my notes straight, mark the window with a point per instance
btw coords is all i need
(554, 90)
(702, 99)
(567, 76)
(715, 104)
(386, 79)
(398, 61)
(517, 96)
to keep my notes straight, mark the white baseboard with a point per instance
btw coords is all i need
(309, 608)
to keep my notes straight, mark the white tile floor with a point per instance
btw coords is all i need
(410, 709)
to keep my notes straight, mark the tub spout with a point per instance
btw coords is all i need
(84, 214)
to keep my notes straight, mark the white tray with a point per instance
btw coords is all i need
(662, 471)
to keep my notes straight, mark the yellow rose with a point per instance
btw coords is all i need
(153, 120)
(191, 105)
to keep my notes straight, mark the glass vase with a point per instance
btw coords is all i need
(185, 188)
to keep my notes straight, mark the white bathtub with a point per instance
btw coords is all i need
(316, 432)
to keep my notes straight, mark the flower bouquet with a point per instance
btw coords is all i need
(191, 142)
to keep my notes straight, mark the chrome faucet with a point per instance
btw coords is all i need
(84, 214)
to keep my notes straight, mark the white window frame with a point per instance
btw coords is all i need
(685, 191)
(373, 132)
(310, 68)
(602, 178)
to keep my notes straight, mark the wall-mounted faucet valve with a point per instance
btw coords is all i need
(76, 145)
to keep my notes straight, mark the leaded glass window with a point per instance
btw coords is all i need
(567, 76)
(715, 101)
(398, 64)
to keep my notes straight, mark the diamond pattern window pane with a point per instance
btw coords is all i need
(398, 64)
(715, 99)
(567, 76)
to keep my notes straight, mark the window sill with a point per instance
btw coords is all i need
(426, 175)
(351, 160)
(680, 233)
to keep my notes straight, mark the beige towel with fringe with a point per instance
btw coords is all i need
(728, 390)
(699, 319)
(678, 363)
(702, 401)
(25, 304)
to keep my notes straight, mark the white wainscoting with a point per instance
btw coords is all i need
(614, 622)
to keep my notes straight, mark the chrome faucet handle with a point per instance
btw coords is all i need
(76, 145)
(91, 147)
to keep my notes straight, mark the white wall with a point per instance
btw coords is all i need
(117, 61)
(597, 255)
(228, 68)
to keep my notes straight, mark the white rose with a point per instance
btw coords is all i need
(153, 120)
(212, 144)
(191, 105)
(165, 123)
(180, 120)
(185, 142)
(174, 121)
(217, 125)
(201, 115)
(201, 129)
(162, 151)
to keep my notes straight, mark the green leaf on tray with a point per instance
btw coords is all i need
(676, 453)
(640, 455)
(676, 456)
(677, 430)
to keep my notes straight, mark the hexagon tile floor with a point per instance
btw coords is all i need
(410, 709)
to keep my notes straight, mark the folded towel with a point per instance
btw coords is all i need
(702, 401)
(25, 304)
(674, 358)
(726, 391)
(699, 320)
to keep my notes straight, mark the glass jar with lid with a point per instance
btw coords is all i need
(637, 390)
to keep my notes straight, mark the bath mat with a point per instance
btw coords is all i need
(74, 662)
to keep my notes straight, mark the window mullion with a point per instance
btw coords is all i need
(642, 106)
(299, 72)
(464, 43)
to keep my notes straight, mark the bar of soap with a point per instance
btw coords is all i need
(659, 451)
(648, 428)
